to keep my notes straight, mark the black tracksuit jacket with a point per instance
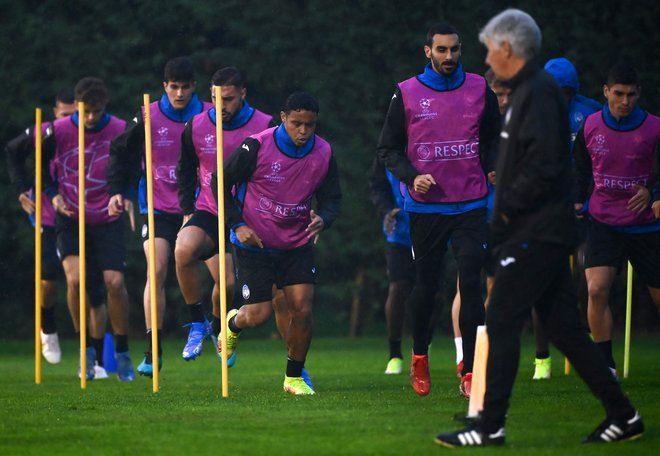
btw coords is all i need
(534, 196)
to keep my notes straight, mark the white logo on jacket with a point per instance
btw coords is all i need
(507, 261)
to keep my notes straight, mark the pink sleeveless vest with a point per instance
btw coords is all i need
(166, 147)
(97, 146)
(279, 194)
(203, 136)
(443, 138)
(620, 160)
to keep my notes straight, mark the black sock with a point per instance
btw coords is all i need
(48, 320)
(121, 343)
(543, 354)
(606, 350)
(88, 341)
(98, 346)
(160, 336)
(232, 325)
(420, 348)
(216, 325)
(294, 368)
(395, 348)
(196, 312)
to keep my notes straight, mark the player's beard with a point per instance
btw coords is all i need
(442, 67)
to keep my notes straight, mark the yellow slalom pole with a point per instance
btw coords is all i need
(38, 298)
(81, 244)
(152, 242)
(626, 354)
(567, 364)
(221, 238)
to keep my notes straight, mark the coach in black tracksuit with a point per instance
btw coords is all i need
(534, 231)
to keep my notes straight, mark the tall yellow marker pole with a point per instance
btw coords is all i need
(221, 238)
(37, 248)
(81, 244)
(626, 354)
(152, 241)
(567, 363)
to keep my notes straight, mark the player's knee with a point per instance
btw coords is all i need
(423, 292)
(599, 292)
(114, 281)
(256, 315)
(182, 254)
(399, 290)
(73, 280)
(302, 313)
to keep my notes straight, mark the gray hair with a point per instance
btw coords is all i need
(518, 29)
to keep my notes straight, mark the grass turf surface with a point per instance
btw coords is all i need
(358, 410)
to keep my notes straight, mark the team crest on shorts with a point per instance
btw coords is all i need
(246, 292)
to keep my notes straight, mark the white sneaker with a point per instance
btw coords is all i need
(99, 372)
(50, 348)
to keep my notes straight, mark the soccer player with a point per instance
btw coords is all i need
(198, 239)
(17, 151)
(502, 93)
(104, 234)
(273, 226)
(438, 138)
(579, 107)
(178, 105)
(388, 199)
(617, 153)
(533, 231)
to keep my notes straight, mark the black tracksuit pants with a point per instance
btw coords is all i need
(538, 274)
(430, 234)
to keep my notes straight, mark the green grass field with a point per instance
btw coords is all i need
(357, 411)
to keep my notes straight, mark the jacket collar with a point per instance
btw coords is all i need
(439, 81)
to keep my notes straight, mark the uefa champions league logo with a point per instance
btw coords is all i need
(246, 292)
(265, 203)
(578, 117)
(209, 139)
(423, 152)
(275, 167)
(162, 132)
(600, 140)
(425, 104)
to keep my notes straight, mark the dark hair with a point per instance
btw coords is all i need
(179, 69)
(490, 77)
(91, 91)
(301, 101)
(623, 73)
(65, 96)
(441, 28)
(228, 76)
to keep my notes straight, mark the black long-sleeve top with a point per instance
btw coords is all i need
(187, 171)
(380, 189)
(17, 152)
(534, 197)
(126, 152)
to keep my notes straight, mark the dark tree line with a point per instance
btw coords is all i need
(349, 54)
